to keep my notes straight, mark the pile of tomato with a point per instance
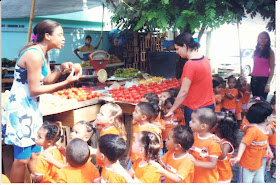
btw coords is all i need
(81, 93)
(135, 93)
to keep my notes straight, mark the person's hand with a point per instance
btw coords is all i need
(127, 160)
(82, 58)
(36, 177)
(48, 157)
(233, 161)
(170, 113)
(157, 165)
(267, 89)
(72, 78)
(66, 66)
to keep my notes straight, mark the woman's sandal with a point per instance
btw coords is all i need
(274, 175)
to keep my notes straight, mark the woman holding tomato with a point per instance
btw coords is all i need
(196, 89)
(21, 117)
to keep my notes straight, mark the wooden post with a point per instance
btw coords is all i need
(102, 27)
(31, 21)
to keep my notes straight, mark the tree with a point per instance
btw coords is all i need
(187, 15)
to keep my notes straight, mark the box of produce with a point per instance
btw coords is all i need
(135, 93)
(127, 72)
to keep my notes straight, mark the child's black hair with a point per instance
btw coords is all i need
(88, 37)
(77, 152)
(273, 100)
(219, 79)
(147, 109)
(183, 136)
(216, 83)
(154, 100)
(231, 77)
(151, 142)
(53, 132)
(170, 92)
(227, 127)
(175, 91)
(89, 127)
(112, 146)
(169, 100)
(207, 116)
(259, 112)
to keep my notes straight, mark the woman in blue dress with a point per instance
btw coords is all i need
(32, 77)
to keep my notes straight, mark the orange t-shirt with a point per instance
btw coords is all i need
(47, 169)
(222, 93)
(4, 179)
(244, 123)
(230, 103)
(104, 131)
(246, 95)
(256, 142)
(200, 93)
(161, 121)
(139, 128)
(170, 122)
(182, 167)
(84, 174)
(145, 173)
(109, 130)
(223, 166)
(218, 107)
(202, 150)
(108, 176)
(272, 139)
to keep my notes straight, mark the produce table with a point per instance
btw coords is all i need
(108, 65)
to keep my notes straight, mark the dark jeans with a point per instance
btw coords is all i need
(188, 113)
(258, 85)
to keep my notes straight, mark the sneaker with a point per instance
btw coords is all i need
(274, 175)
(267, 169)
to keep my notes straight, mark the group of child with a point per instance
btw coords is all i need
(164, 149)
(236, 99)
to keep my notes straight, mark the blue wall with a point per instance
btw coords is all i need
(14, 38)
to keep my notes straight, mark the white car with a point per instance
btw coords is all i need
(231, 64)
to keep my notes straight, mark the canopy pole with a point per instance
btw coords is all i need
(102, 27)
(31, 21)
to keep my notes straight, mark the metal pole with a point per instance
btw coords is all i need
(102, 27)
(241, 71)
(31, 21)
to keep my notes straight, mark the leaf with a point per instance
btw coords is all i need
(165, 1)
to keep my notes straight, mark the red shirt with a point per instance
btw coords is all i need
(200, 93)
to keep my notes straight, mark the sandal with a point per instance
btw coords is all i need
(274, 175)
(267, 169)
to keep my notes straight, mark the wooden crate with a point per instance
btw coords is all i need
(71, 117)
(143, 56)
(136, 57)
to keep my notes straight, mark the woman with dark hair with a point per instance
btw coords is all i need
(32, 77)
(196, 89)
(264, 63)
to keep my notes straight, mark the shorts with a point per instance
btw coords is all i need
(25, 152)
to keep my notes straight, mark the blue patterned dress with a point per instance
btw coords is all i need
(21, 117)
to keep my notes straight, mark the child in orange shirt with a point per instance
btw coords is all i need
(272, 139)
(176, 119)
(231, 93)
(177, 167)
(110, 148)
(246, 92)
(205, 150)
(146, 145)
(254, 144)
(80, 169)
(143, 116)
(47, 137)
(238, 103)
(111, 118)
(164, 95)
(217, 87)
(223, 86)
(226, 129)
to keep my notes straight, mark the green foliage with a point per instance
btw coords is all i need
(188, 15)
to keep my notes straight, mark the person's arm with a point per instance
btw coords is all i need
(271, 73)
(166, 173)
(211, 164)
(96, 47)
(76, 52)
(186, 83)
(50, 159)
(33, 67)
(241, 149)
(229, 95)
(226, 148)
